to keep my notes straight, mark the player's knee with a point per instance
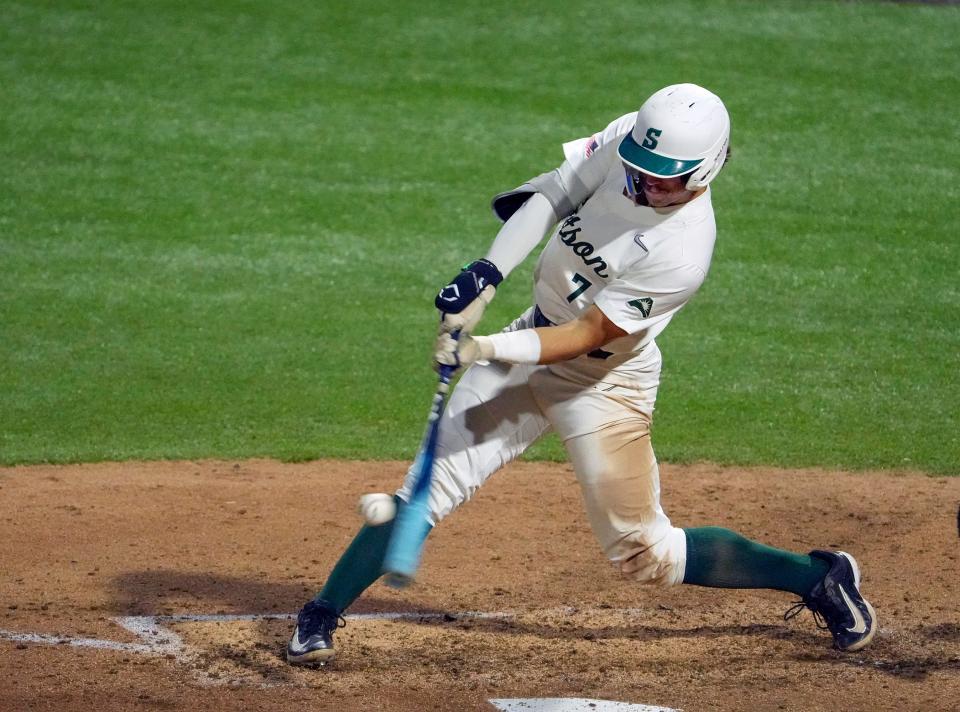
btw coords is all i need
(652, 557)
(447, 490)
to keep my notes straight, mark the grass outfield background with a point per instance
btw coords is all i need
(221, 228)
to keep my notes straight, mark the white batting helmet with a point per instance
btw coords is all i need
(681, 129)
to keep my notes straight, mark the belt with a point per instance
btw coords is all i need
(540, 320)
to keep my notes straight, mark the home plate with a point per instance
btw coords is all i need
(572, 704)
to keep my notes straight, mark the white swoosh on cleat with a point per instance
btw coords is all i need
(295, 643)
(859, 624)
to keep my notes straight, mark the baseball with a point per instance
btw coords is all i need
(377, 508)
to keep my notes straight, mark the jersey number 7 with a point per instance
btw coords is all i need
(584, 283)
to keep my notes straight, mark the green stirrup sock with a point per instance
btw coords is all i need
(359, 566)
(722, 558)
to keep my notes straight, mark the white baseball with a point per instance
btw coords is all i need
(377, 508)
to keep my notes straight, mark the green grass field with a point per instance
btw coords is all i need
(221, 228)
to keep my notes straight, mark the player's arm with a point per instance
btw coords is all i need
(635, 301)
(548, 344)
(522, 232)
(462, 302)
(528, 212)
(586, 164)
(588, 332)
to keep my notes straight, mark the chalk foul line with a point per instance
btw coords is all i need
(154, 637)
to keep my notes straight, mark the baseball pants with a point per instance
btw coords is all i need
(498, 410)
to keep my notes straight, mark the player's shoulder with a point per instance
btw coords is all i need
(621, 126)
(602, 142)
(614, 132)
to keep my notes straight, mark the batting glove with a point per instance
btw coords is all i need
(463, 301)
(462, 351)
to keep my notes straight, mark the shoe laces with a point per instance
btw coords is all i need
(320, 618)
(798, 606)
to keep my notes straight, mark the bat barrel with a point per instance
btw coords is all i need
(410, 528)
(412, 523)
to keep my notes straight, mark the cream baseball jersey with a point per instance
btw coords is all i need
(638, 264)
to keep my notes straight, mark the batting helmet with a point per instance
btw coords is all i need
(682, 129)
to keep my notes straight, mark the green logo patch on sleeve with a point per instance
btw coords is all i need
(644, 304)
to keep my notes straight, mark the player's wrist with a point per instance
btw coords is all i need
(485, 349)
(486, 271)
(521, 346)
(462, 302)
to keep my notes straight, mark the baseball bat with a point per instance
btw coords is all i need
(412, 522)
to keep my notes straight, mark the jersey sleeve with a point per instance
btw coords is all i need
(586, 164)
(638, 300)
(589, 158)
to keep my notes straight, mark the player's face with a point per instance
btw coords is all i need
(662, 192)
(658, 192)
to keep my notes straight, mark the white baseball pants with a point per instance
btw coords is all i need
(498, 410)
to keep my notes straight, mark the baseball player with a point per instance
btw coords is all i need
(632, 231)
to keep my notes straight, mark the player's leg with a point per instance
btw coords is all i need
(619, 477)
(722, 558)
(620, 483)
(605, 428)
(828, 582)
(491, 418)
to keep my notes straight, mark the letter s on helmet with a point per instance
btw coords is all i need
(681, 129)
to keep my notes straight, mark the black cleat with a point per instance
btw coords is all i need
(312, 640)
(837, 604)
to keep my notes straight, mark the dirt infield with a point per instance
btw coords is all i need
(92, 555)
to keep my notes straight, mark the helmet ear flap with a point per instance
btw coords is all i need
(708, 170)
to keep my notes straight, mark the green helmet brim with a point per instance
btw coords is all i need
(652, 163)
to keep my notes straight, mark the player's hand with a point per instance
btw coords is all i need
(462, 351)
(463, 301)
(467, 320)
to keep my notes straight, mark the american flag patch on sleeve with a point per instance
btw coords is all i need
(592, 146)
